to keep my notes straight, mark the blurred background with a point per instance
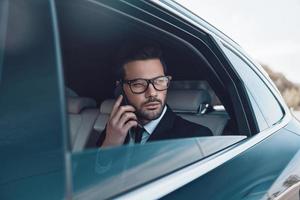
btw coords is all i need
(269, 31)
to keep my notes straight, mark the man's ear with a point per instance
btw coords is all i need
(117, 83)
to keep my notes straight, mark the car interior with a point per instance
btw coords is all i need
(91, 35)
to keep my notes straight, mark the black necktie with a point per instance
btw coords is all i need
(138, 134)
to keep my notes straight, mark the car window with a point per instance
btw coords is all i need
(91, 35)
(31, 139)
(195, 94)
(265, 100)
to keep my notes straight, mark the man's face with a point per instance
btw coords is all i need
(149, 104)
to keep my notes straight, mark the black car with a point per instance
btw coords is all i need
(56, 89)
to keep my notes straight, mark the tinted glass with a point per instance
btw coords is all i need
(261, 122)
(106, 172)
(3, 25)
(31, 147)
(264, 98)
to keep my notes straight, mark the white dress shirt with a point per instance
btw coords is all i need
(149, 128)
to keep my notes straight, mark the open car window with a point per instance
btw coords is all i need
(90, 34)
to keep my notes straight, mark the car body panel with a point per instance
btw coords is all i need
(287, 185)
(260, 167)
(95, 173)
(37, 158)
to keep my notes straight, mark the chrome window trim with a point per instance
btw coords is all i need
(174, 181)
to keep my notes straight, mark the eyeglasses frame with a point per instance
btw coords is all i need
(148, 83)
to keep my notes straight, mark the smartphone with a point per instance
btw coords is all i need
(119, 91)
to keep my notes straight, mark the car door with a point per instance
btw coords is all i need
(249, 170)
(251, 173)
(154, 171)
(287, 185)
(37, 158)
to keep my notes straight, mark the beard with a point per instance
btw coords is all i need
(146, 115)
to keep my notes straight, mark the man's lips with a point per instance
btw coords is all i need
(152, 105)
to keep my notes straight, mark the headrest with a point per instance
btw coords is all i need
(76, 104)
(106, 106)
(179, 100)
(188, 100)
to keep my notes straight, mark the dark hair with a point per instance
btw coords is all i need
(132, 51)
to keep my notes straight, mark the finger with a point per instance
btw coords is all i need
(126, 117)
(129, 125)
(122, 110)
(116, 105)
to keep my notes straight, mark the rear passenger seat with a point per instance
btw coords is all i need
(105, 110)
(189, 104)
(82, 112)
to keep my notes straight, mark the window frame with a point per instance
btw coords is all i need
(260, 75)
(196, 35)
(133, 10)
(178, 179)
(243, 111)
(173, 181)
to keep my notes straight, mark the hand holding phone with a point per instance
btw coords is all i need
(119, 91)
(121, 119)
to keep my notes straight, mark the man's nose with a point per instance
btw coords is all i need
(151, 91)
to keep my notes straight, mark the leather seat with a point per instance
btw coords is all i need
(82, 112)
(105, 110)
(188, 101)
(189, 104)
(192, 105)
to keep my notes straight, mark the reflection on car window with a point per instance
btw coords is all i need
(31, 139)
(264, 98)
(3, 26)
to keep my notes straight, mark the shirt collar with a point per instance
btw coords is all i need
(153, 124)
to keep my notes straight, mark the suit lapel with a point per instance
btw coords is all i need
(162, 131)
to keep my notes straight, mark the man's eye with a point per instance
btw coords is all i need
(161, 81)
(137, 85)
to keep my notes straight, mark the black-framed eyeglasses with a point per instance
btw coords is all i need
(140, 85)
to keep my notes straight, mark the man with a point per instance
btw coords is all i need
(143, 85)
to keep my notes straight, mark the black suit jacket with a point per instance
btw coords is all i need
(171, 126)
